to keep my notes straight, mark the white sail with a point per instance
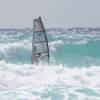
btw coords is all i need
(40, 49)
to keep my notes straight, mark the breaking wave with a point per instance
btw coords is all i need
(73, 72)
(36, 82)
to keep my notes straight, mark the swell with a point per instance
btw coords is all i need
(60, 52)
(79, 55)
(16, 52)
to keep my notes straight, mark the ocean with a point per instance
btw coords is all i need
(73, 72)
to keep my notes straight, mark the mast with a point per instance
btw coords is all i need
(40, 48)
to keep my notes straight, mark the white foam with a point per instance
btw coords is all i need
(83, 41)
(76, 38)
(54, 44)
(15, 76)
(21, 44)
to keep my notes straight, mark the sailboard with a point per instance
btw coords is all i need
(40, 48)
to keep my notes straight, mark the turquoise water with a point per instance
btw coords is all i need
(73, 73)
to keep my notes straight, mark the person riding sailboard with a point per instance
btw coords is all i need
(40, 48)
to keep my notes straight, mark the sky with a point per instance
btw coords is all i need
(54, 13)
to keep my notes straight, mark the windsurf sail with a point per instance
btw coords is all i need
(40, 48)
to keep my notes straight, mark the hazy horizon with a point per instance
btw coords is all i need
(54, 13)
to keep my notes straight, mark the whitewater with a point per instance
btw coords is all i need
(73, 72)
